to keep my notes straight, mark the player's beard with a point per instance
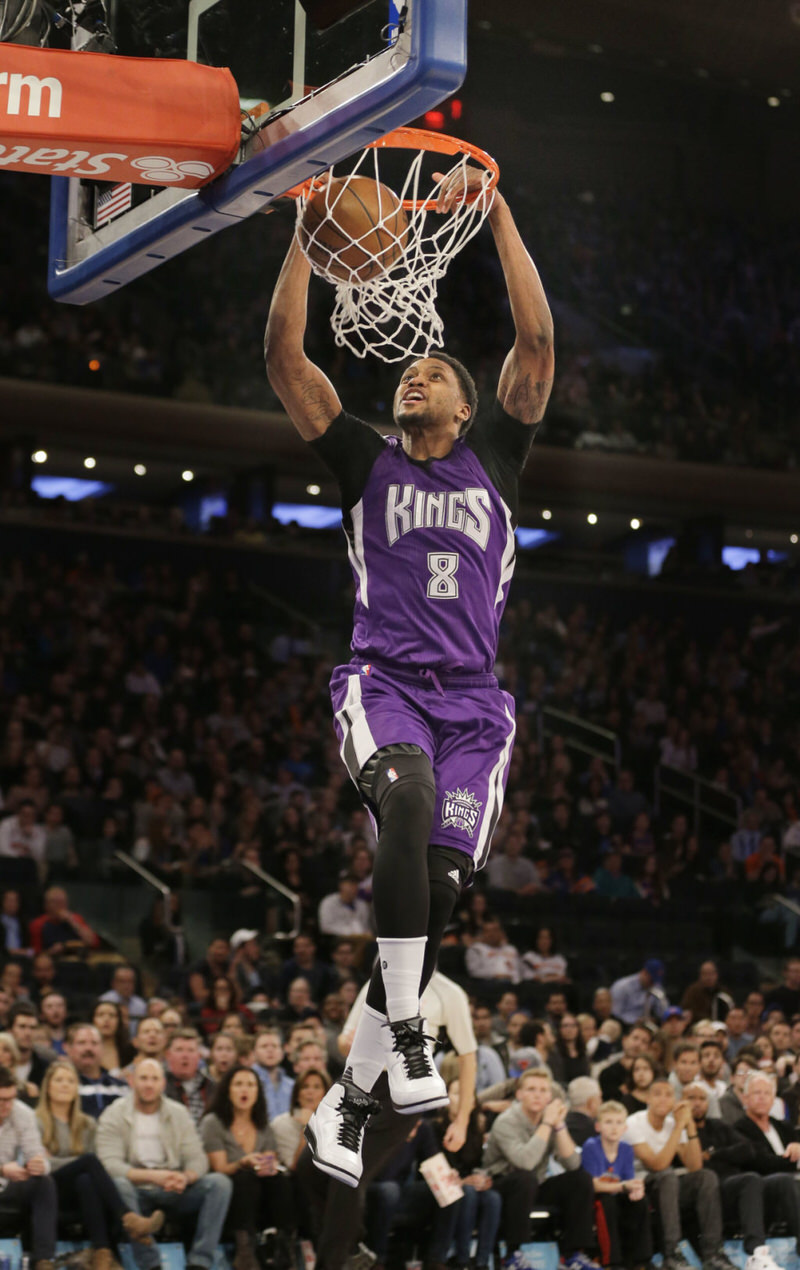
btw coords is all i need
(420, 422)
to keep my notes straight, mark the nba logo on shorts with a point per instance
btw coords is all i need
(392, 774)
(461, 809)
(365, 670)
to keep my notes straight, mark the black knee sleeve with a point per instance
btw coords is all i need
(398, 784)
(393, 768)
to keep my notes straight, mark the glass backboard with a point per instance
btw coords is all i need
(310, 98)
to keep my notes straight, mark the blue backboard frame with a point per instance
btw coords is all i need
(434, 68)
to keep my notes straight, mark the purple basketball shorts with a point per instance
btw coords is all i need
(465, 725)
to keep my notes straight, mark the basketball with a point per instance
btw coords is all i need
(354, 228)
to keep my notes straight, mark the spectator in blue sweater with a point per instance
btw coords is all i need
(624, 1233)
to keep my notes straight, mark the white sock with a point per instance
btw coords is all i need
(401, 969)
(366, 1057)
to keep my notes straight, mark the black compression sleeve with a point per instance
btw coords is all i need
(502, 444)
(349, 447)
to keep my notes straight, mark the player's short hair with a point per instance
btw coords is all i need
(760, 1075)
(581, 1089)
(530, 1032)
(751, 1058)
(611, 1108)
(222, 1035)
(183, 1034)
(642, 1025)
(686, 1047)
(304, 1046)
(268, 1029)
(534, 1073)
(660, 1078)
(75, 1028)
(465, 382)
(21, 1009)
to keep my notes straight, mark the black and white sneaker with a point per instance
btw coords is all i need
(414, 1083)
(335, 1131)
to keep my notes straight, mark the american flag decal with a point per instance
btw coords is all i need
(111, 202)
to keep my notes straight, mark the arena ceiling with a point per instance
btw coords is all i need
(734, 40)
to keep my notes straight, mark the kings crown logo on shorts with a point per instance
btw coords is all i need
(461, 809)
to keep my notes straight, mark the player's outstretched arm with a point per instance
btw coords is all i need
(309, 398)
(527, 374)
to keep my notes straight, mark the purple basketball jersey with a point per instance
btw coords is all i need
(431, 546)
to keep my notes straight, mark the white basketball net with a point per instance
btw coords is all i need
(393, 315)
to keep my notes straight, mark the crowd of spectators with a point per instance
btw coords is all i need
(704, 315)
(153, 715)
(150, 713)
(678, 332)
(150, 1110)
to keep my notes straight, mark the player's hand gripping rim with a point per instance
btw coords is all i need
(464, 185)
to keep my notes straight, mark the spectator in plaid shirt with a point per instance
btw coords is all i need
(186, 1083)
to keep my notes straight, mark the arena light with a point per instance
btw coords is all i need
(71, 488)
(793, 538)
(434, 119)
(657, 553)
(592, 518)
(607, 98)
(94, 364)
(39, 456)
(307, 515)
(456, 108)
(89, 461)
(737, 558)
(140, 469)
(636, 523)
(547, 514)
(313, 489)
(773, 101)
(529, 539)
(187, 475)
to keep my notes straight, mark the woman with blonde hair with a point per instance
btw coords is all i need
(81, 1180)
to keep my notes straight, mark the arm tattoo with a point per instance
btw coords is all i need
(527, 399)
(315, 399)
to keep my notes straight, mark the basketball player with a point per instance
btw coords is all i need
(424, 729)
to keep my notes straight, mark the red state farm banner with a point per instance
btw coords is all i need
(111, 118)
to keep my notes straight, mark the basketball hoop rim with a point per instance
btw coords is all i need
(418, 139)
